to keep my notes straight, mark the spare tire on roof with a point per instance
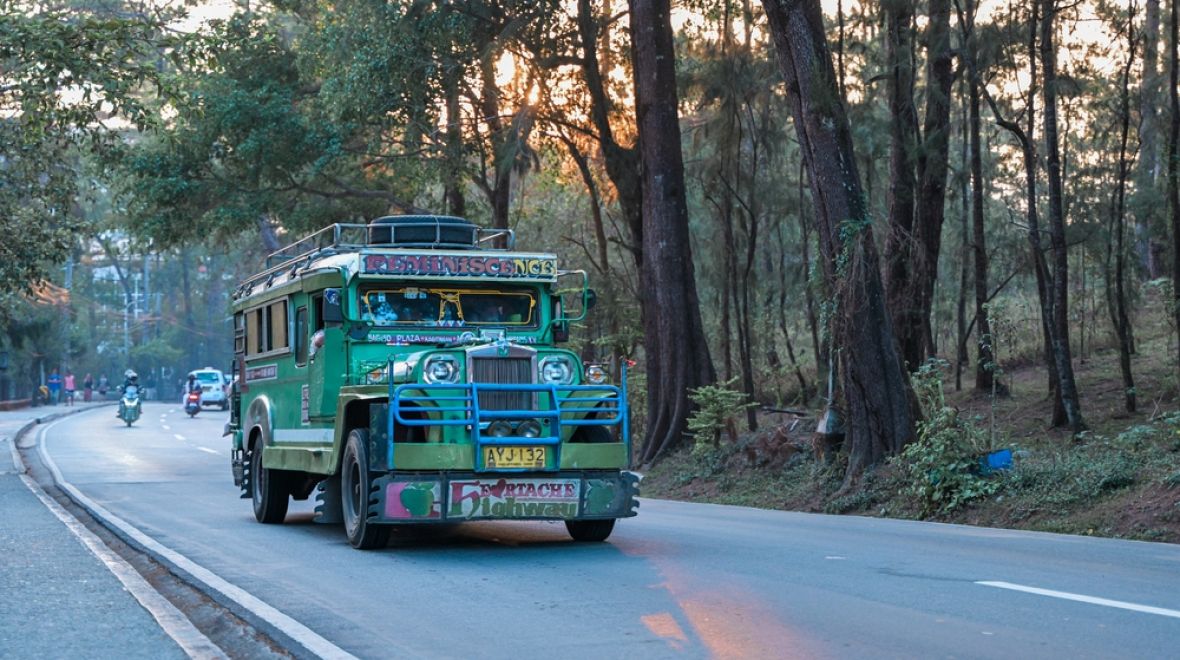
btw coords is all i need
(423, 231)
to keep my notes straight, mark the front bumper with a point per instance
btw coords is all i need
(457, 497)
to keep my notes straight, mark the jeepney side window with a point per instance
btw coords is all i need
(279, 334)
(254, 333)
(300, 336)
(264, 329)
(317, 312)
(239, 333)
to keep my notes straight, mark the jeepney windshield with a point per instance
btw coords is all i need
(420, 306)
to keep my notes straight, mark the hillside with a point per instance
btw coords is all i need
(1119, 479)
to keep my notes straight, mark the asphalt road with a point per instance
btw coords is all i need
(680, 580)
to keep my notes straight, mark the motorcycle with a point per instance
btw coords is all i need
(129, 405)
(192, 403)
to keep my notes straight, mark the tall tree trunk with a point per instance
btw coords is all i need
(985, 364)
(875, 385)
(1025, 136)
(1174, 159)
(933, 160)
(1147, 172)
(1061, 350)
(901, 252)
(961, 356)
(674, 339)
(985, 359)
(804, 387)
(622, 162)
(818, 345)
(1122, 322)
(453, 177)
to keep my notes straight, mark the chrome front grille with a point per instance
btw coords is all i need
(503, 371)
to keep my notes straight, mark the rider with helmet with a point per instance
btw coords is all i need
(130, 379)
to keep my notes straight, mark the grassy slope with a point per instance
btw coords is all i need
(1121, 479)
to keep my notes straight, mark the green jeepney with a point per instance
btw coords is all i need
(406, 372)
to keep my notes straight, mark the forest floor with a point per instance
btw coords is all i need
(1121, 478)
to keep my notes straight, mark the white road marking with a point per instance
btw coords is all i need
(298, 632)
(179, 437)
(211, 451)
(835, 557)
(167, 428)
(1081, 598)
(174, 624)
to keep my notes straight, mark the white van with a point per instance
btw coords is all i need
(212, 383)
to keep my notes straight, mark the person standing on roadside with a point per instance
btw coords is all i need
(103, 386)
(71, 387)
(54, 384)
(87, 388)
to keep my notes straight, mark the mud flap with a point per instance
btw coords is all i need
(328, 501)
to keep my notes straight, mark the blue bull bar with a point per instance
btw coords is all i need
(458, 405)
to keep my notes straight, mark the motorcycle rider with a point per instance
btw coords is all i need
(192, 385)
(130, 378)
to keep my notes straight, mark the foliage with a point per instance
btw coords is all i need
(716, 407)
(943, 463)
(1069, 478)
(68, 76)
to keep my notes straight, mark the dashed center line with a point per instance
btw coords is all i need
(1081, 598)
(210, 451)
(179, 437)
(167, 428)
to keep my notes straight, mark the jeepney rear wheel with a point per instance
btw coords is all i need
(268, 489)
(356, 486)
(590, 531)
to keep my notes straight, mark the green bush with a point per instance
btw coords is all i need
(716, 407)
(942, 465)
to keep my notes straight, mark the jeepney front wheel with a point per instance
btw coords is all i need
(590, 531)
(268, 489)
(356, 487)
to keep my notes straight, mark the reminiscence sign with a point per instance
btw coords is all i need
(429, 265)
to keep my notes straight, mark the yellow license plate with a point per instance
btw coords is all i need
(517, 456)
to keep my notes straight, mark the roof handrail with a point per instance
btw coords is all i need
(355, 236)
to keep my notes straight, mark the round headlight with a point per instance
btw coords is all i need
(499, 429)
(442, 369)
(529, 429)
(595, 374)
(556, 370)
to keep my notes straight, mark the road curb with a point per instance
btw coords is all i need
(201, 579)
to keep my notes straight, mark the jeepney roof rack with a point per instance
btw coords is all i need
(389, 231)
(418, 231)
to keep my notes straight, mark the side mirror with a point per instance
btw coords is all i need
(332, 307)
(591, 299)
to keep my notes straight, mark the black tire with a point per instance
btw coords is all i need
(128, 423)
(268, 489)
(590, 531)
(224, 407)
(356, 487)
